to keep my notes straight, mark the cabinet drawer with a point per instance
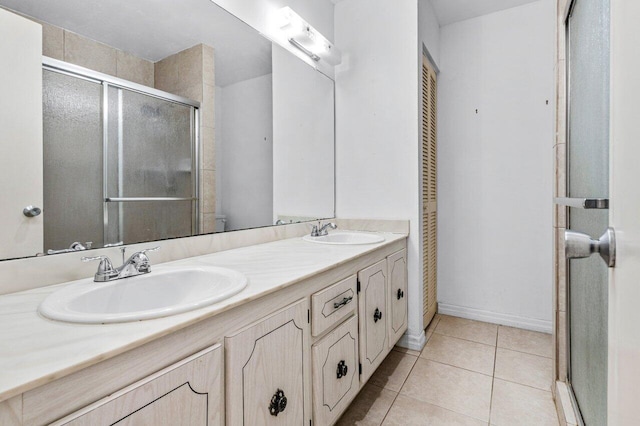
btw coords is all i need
(332, 305)
(335, 372)
(186, 393)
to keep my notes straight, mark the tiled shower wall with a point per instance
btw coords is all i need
(560, 212)
(189, 73)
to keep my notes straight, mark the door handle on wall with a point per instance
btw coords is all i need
(583, 203)
(579, 246)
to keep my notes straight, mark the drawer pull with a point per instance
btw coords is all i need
(377, 315)
(343, 302)
(278, 403)
(400, 294)
(342, 369)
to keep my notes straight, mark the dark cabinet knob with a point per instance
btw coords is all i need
(342, 369)
(278, 403)
(377, 315)
(400, 294)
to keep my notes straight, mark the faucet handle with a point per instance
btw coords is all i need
(145, 251)
(104, 268)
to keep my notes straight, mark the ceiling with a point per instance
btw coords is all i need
(450, 11)
(153, 30)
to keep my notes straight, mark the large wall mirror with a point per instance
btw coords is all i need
(165, 121)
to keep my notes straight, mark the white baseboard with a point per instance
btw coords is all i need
(413, 341)
(496, 318)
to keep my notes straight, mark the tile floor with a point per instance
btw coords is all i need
(469, 373)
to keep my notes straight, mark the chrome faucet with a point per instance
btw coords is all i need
(137, 264)
(321, 230)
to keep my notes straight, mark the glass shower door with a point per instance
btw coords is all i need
(151, 168)
(588, 178)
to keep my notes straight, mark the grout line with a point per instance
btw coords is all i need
(400, 390)
(526, 353)
(522, 384)
(455, 366)
(462, 338)
(493, 379)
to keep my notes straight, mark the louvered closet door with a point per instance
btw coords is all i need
(429, 191)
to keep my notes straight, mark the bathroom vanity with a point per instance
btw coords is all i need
(293, 348)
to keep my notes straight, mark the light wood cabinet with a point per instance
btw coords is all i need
(268, 370)
(374, 317)
(397, 267)
(186, 393)
(335, 372)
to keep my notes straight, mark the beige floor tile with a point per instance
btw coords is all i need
(369, 408)
(465, 392)
(460, 353)
(407, 411)
(462, 328)
(526, 369)
(515, 404)
(406, 351)
(393, 371)
(527, 341)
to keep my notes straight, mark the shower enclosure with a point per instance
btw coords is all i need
(120, 160)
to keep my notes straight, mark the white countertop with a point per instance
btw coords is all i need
(35, 350)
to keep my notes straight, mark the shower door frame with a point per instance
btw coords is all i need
(107, 81)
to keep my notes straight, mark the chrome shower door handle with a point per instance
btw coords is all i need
(579, 246)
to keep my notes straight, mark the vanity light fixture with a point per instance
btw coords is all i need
(307, 39)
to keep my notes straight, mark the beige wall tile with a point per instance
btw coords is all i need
(561, 271)
(180, 71)
(407, 411)
(368, 408)
(208, 179)
(562, 346)
(531, 370)
(515, 404)
(527, 341)
(208, 223)
(460, 353)
(456, 389)
(208, 65)
(566, 414)
(52, 41)
(207, 112)
(461, 328)
(208, 148)
(393, 371)
(132, 68)
(88, 53)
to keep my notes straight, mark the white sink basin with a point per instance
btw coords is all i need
(160, 293)
(345, 238)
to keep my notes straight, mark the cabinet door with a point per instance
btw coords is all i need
(268, 370)
(397, 266)
(335, 372)
(186, 393)
(373, 313)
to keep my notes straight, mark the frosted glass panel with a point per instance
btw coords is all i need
(149, 220)
(151, 139)
(588, 174)
(72, 125)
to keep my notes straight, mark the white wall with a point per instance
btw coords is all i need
(244, 150)
(429, 30)
(496, 165)
(377, 165)
(303, 139)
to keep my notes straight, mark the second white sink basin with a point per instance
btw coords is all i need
(167, 291)
(346, 238)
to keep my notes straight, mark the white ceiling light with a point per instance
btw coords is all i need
(307, 39)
